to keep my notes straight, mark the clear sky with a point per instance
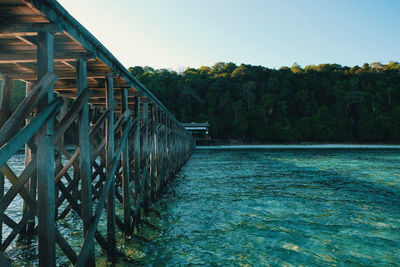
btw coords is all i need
(175, 34)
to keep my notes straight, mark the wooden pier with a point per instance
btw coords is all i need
(127, 145)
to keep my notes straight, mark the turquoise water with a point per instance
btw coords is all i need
(297, 206)
(267, 206)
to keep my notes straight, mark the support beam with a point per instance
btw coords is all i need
(85, 166)
(137, 171)
(26, 29)
(11, 57)
(154, 158)
(125, 172)
(5, 100)
(145, 153)
(111, 238)
(45, 162)
(31, 185)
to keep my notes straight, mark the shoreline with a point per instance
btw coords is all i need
(303, 146)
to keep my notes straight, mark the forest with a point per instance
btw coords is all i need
(255, 104)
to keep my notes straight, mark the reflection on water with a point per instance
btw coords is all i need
(276, 206)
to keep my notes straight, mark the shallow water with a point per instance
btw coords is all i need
(277, 206)
(263, 206)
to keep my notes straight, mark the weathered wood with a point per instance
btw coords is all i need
(5, 99)
(102, 118)
(111, 237)
(17, 185)
(31, 183)
(16, 120)
(85, 161)
(146, 154)
(72, 113)
(26, 29)
(28, 57)
(155, 153)
(153, 160)
(13, 145)
(125, 173)
(102, 199)
(137, 172)
(66, 167)
(45, 168)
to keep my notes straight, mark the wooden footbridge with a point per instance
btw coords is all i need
(127, 143)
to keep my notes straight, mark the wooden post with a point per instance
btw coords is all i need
(153, 162)
(5, 99)
(137, 174)
(145, 153)
(27, 159)
(84, 157)
(31, 185)
(111, 238)
(45, 160)
(125, 172)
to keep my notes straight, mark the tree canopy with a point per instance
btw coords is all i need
(323, 103)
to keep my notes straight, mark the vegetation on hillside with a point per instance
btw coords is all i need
(324, 103)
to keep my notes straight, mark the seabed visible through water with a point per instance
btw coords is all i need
(277, 205)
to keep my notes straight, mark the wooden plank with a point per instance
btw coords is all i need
(72, 113)
(26, 29)
(154, 155)
(137, 172)
(125, 173)
(13, 145)
(102, 199)
(17, 229)
(146, 154)
(66, 167)
(5, 99)
(111, 237)
(45, 168)
(12, 57)
(16, 120)
(17, 185)
(85, 161)
(65, 247)
(57, 14)
(102, 118)
(31, 183)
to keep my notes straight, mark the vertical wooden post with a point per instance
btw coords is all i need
(31, 185)
(137, 173)
(27, 159)
(125, 172)
(153, 162)
(145, 153)
(58, 156)
(45, 160)
(5, 99)
(111, 239)
(84, 156)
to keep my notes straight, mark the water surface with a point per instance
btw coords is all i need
(281, 206)
(267, 206)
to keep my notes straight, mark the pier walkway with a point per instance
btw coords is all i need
(126, 145)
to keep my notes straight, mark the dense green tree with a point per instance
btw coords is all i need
(320, 103)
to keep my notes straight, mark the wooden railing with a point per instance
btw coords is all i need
(121, 156)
